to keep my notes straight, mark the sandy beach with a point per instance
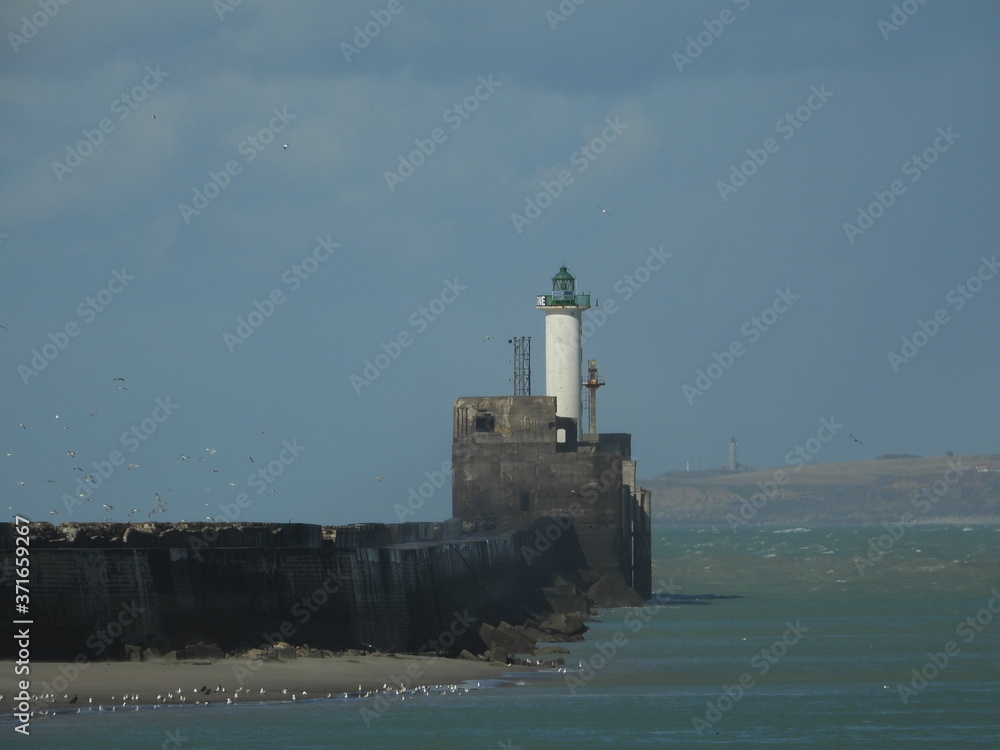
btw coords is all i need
(126, 684)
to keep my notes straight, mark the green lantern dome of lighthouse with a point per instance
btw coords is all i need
(563, 292)
(563, 281)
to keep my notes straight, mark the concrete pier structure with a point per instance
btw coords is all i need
(111, 591)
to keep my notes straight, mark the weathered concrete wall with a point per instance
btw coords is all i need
(97, 588)
(508, 470)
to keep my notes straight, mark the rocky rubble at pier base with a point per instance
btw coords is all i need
(505, 642)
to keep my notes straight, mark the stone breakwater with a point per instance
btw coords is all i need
(104, 591)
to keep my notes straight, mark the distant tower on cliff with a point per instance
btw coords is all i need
(732, 454)
(563, 353)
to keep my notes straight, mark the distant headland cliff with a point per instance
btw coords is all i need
(936, 489)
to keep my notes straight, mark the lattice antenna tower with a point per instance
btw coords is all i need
(522, 365)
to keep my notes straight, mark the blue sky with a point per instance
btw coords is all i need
(790, 190)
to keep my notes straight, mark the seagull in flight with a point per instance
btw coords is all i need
(604, 210)
(855, 439)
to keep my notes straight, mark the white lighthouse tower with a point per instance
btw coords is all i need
(563, 353)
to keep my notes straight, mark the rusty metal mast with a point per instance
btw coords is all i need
(592, 383)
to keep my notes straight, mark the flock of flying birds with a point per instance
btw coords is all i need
(220, 695)
(160, 505)
(91, 480)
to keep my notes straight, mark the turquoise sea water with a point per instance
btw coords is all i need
(813, 655)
